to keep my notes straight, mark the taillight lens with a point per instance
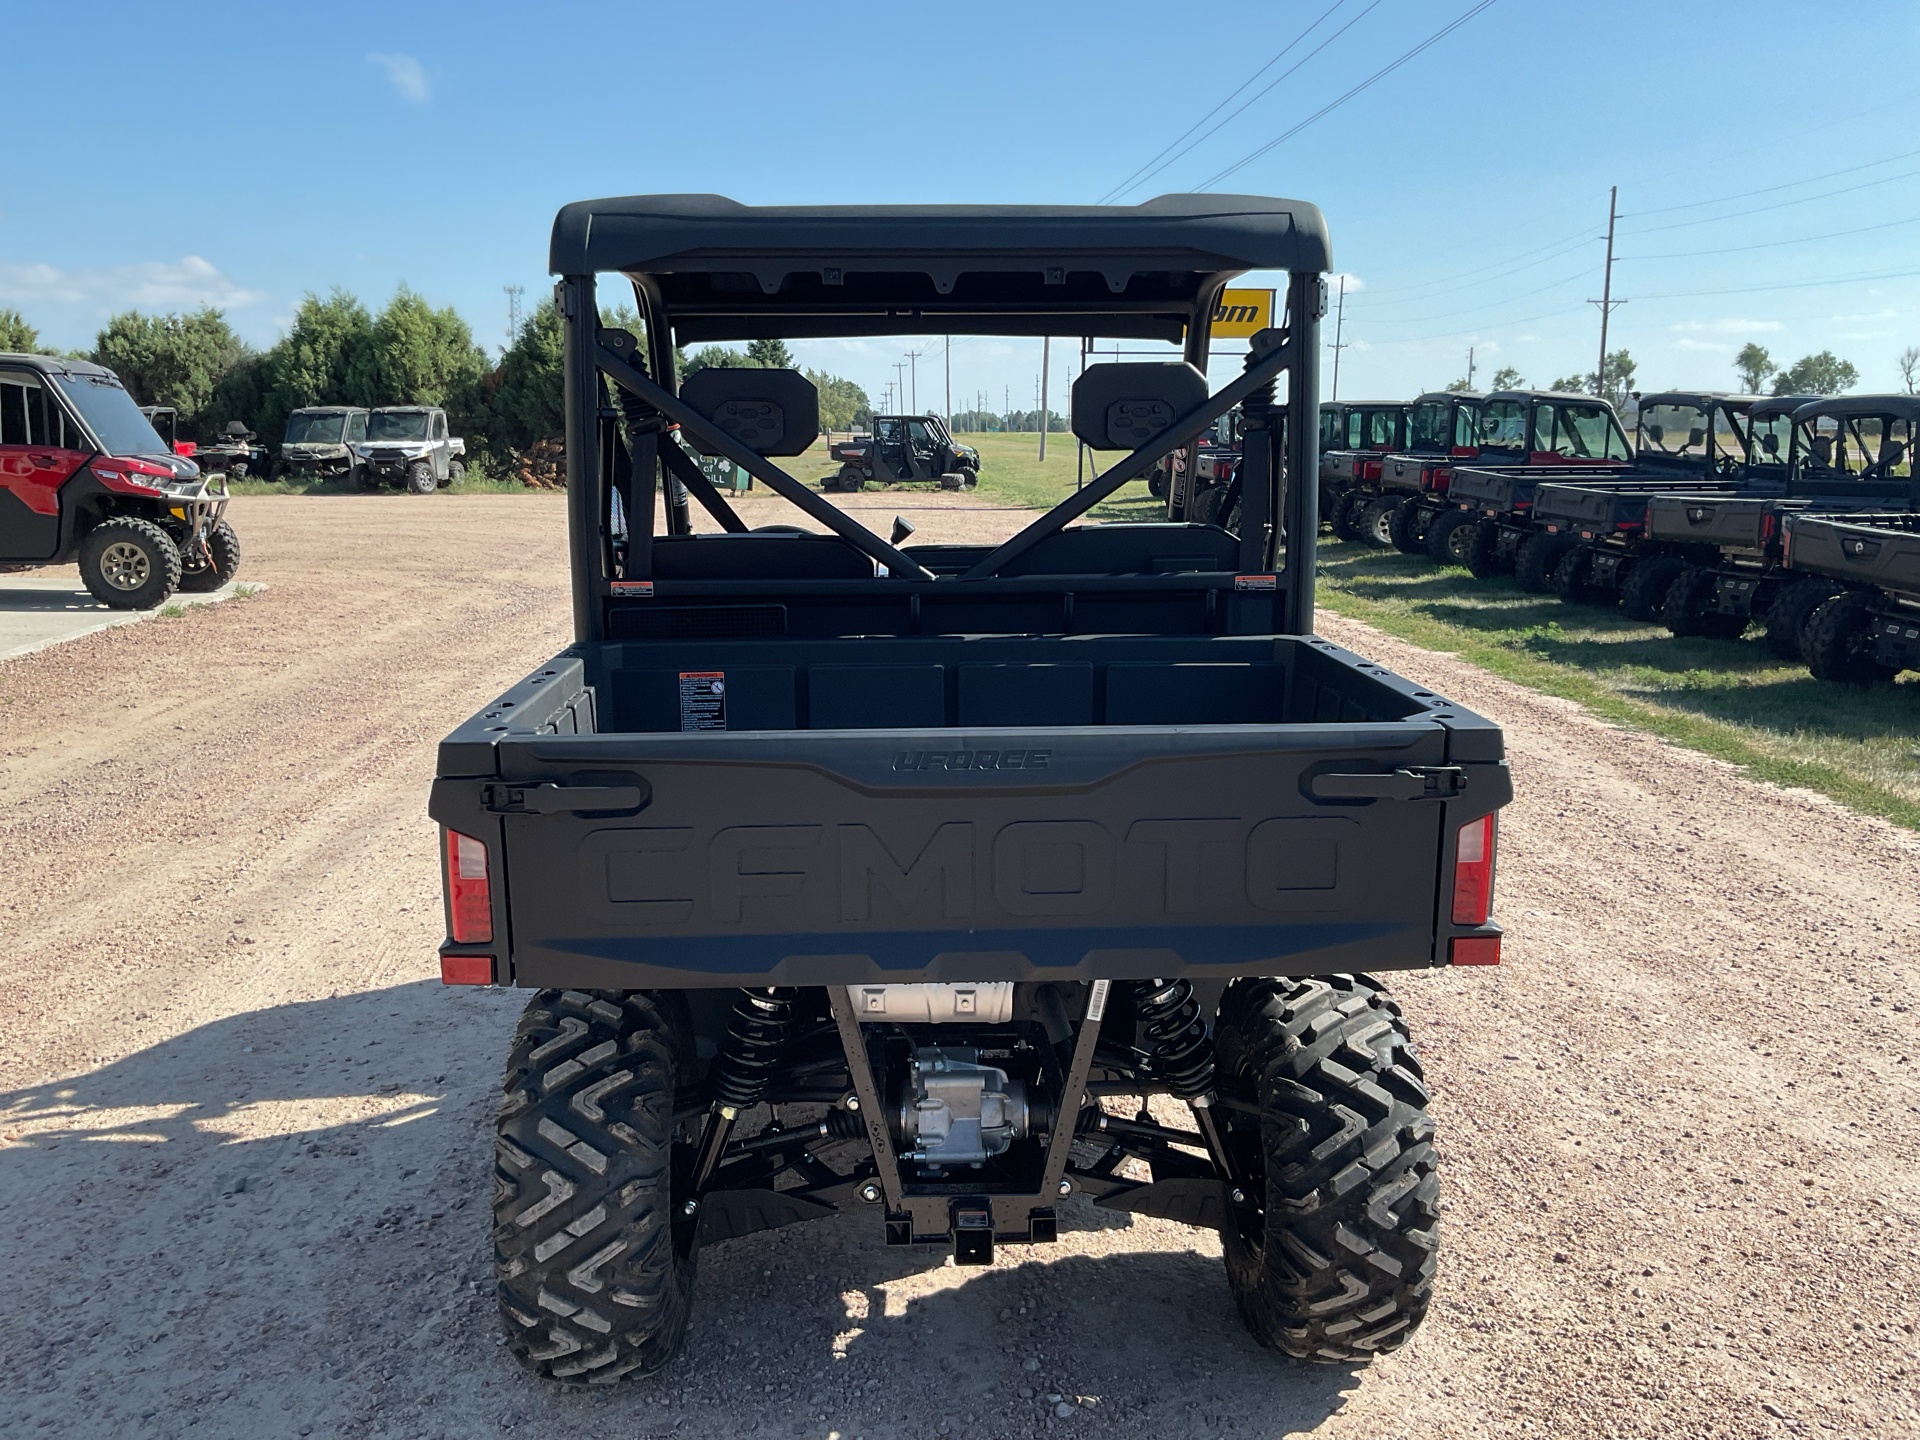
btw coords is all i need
(469, 891)
(466, 969)
(1473, 872)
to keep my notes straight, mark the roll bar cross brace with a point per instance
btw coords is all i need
(1296, 350)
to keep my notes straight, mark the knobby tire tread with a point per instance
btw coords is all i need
(594, 1284)
(1339, 1264)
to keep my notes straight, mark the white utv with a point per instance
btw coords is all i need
(408, 445)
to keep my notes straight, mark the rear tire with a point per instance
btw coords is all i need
(1536, 560)
(1485, 559)
(129, 564)
(420, 478)
(1644, 596)
(1573, 579)
(1344, 516)
(1840, 642)
(456, 472)
(1689, 609)
(225, 547)
(1334, 1259)
(594, 1262)
(1407, 526)
(1787, 617)
(851, 479)
(1376, 522)
(1450, 538)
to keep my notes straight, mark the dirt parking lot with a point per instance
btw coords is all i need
(244, 1134)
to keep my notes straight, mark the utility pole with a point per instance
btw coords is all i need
(1046, 362)
(1606, 302)
(1469, 367)
(900, 385)
(949, 355)
(1339, 324)
(913, 366)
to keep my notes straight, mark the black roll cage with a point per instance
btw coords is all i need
(610, 374)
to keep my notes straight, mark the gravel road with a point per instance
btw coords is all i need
(244, 1131)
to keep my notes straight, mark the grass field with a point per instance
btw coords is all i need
(1731, 699)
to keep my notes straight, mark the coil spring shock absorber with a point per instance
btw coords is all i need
(1182, 1054)
(756, 1039)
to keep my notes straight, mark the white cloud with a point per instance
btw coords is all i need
(1724, 327)
(1526, 339)
(153, 284)
(1354, 284)
(405, 73)
(1716, 347)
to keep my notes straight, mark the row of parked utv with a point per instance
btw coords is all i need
(1800, 513)
(406, 447)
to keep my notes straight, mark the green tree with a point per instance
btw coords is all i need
(709, 357)
(1573, 384)
(172, 360)
(1822, 374)
(527, 390)
(16, 335)
(1460, 386)
(422, 356)
(770, 355)
(1753, 365)
(325, 359)
(1508, 378)
(1909, 363)
(1620, 370)
(843, 404)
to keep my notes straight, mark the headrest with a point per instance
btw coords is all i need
(1122, 407)
(771, 412)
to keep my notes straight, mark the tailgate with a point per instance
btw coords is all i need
(841, 857)
(1578, 508)
(1886, 554)
(1698, 520)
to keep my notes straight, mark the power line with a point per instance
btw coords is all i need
(1157, 164)
(1778, 204)
(1795, 285)
(1331, 106)
(1771, 244)
(1768, 189)
(1581, 274)
(1584, 236)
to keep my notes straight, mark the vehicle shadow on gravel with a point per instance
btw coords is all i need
(280, 1220)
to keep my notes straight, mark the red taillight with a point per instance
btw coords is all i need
(1768, 524)
(469, 892)
(1473, 872)
(1474, 950)
(466, 969)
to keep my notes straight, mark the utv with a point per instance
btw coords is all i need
(1691, 443)
(165, 420)
(850, 877)
(1525, 437)
(1870, 631)
(86, 480)
(905, 448)
(321, 444)
(1442, 429)
(408, 446)
(1354, 437)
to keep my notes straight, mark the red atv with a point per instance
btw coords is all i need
(85, 478)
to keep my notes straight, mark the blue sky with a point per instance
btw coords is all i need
(241, 155)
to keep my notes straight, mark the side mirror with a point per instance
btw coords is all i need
(1770, 443)
(1695, 436)
(1656, 433)
(1891, 454)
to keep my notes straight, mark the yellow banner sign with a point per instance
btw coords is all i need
(1242, 313)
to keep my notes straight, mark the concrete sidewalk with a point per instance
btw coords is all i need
(38, 610)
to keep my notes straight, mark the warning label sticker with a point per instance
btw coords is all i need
(703, 700)
(643, 589)
(1256, 582)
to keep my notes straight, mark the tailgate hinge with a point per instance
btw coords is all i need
(551, 799)
(1412, 782)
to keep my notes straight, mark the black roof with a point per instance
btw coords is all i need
(55, 364)
(1579, 395)
(1433, 395)
(1701, 398)
(1904, 407)
(726, 271)
(1365, 404)
(340, 409)
(1778, 405)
